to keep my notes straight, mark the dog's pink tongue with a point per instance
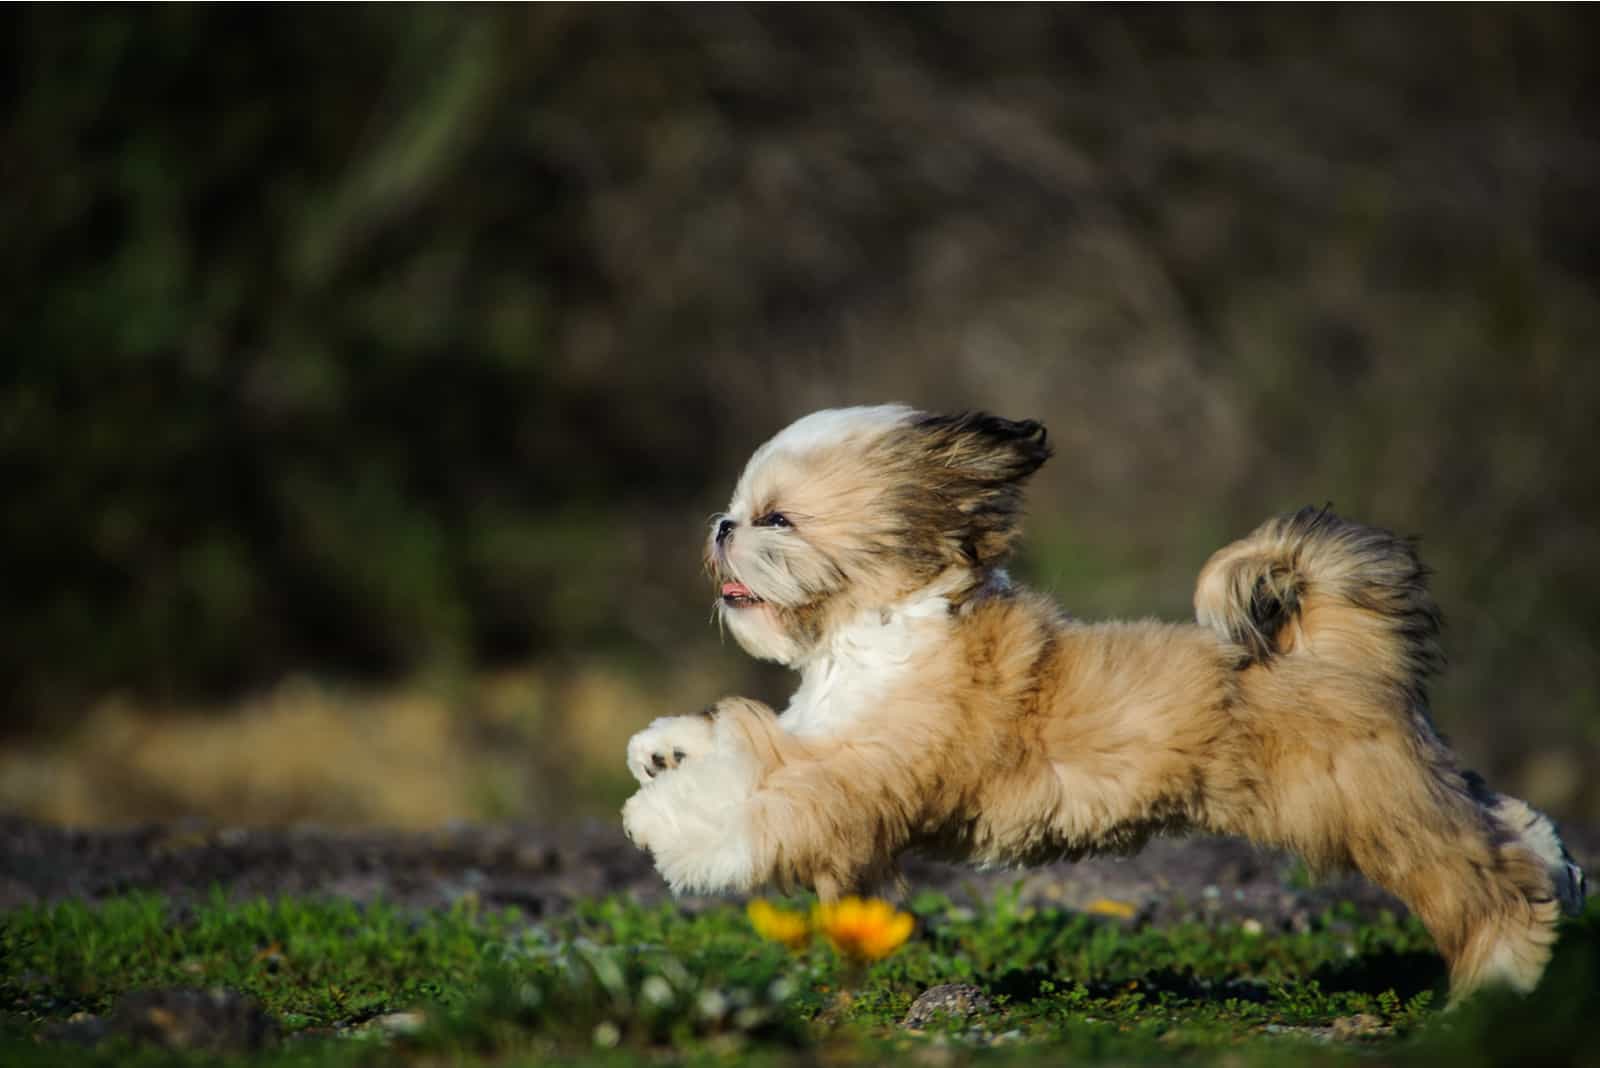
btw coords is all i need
(736, 589)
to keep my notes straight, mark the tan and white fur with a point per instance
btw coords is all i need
(943, 710)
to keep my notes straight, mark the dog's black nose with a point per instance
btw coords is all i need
(725, 528)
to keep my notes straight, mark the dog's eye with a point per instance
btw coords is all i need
(772, 519)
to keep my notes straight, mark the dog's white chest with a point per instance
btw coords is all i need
(831, 696)
(866, 660)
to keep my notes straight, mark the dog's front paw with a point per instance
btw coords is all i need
(696, 826)
(667, 743)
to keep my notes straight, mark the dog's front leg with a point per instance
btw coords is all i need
(697, 822)
(764, 806)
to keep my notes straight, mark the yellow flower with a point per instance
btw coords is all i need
(779, 925)
(863, 930)
(1105, 906)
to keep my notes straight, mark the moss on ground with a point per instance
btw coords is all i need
(614, 982)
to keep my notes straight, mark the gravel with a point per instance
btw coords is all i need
(542, 871)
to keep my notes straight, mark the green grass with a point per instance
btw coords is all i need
(614, 982)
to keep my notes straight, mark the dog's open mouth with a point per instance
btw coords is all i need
(738, 595)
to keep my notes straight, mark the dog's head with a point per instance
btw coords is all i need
(854, 509)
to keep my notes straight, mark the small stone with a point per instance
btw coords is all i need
(1361, 1025)
(217, 1021)
(538, 859)
(958, 1000)
(399, 1023)
(82, 1028)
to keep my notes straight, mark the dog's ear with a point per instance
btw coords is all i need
(976, 464)
(985, 447)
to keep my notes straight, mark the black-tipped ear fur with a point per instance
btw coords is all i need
(987, 445)
(977, 462)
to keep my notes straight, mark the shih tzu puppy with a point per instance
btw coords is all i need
(942, 709)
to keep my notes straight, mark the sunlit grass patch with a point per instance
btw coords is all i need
(614, 981)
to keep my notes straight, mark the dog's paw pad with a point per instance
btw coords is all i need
(665, 760)
(666, 744)
(659, 761)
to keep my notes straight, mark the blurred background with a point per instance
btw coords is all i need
(367, 374)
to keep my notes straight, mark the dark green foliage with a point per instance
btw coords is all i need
(311, 964)
(277, 387)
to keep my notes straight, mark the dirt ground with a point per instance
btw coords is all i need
(542, 871)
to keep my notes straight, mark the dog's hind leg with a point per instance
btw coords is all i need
(1348, 787)
(1338, 636)
(1485, 895)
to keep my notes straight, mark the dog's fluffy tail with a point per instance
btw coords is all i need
(1334, 621)
(1336, 589)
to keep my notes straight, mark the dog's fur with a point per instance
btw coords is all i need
(943, 710)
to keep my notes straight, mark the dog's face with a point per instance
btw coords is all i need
(853, 509)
